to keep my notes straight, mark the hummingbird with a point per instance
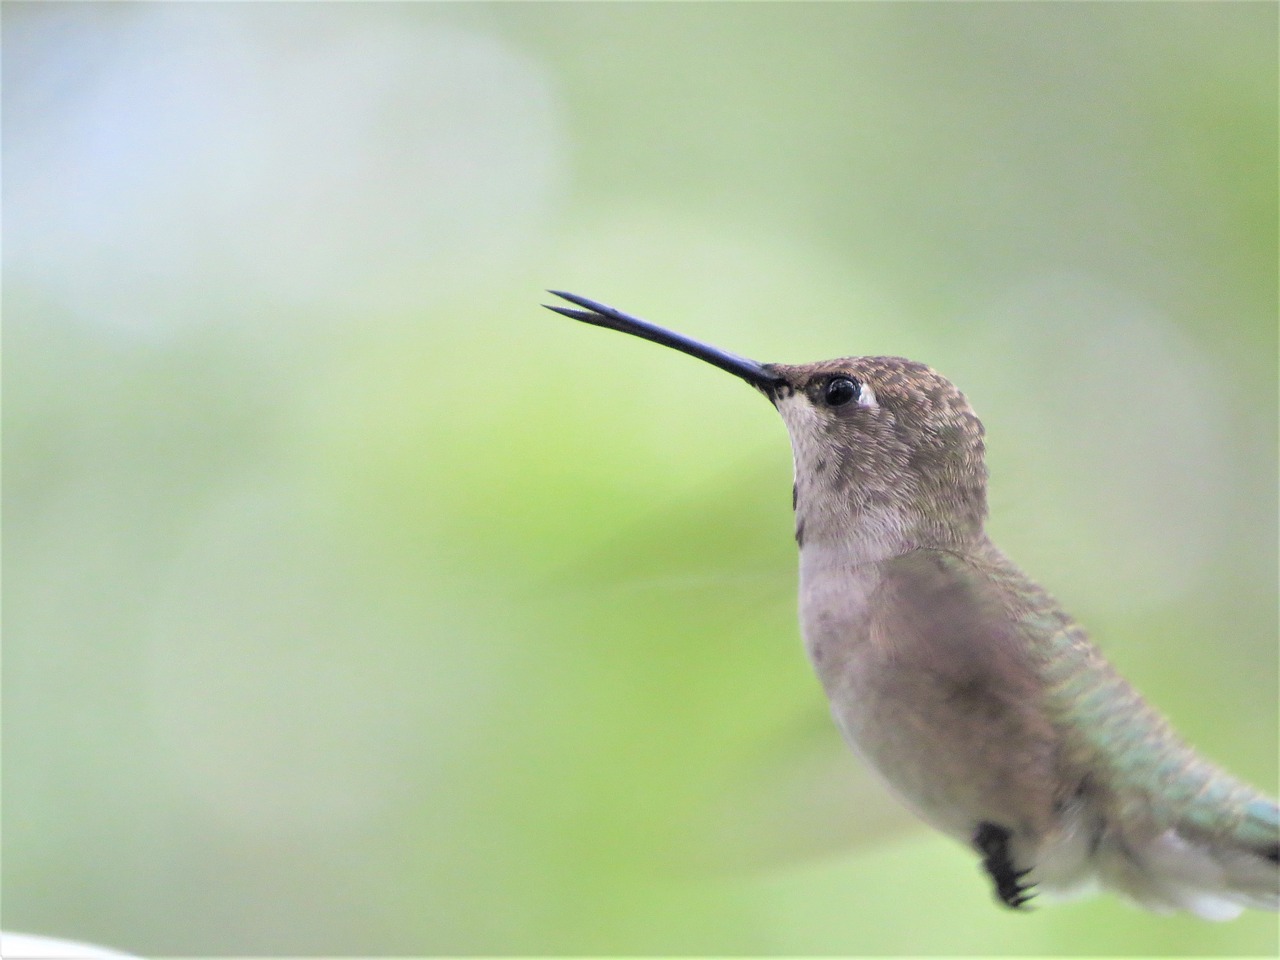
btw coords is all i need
(960, 680)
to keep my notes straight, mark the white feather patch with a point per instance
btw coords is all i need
(1165, 873)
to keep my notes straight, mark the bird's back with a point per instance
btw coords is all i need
(1148, 816)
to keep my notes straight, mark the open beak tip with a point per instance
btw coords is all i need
(586, 302)
(757, 374)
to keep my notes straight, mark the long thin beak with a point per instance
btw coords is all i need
(755, 373)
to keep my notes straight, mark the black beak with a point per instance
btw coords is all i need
(755, 373)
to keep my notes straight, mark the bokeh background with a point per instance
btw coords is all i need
(356, 604)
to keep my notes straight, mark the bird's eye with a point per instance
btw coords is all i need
(840, 390)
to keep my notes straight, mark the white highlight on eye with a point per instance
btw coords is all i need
(867, 396)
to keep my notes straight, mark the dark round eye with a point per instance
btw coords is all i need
(840, 390)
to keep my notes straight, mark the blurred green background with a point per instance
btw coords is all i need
(356, 604)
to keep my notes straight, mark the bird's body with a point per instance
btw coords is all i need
(966, 686)
(1021, 726)
(979, 701)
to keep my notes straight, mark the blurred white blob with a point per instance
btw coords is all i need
(1103, 423)
(26, 946)
(167, 164)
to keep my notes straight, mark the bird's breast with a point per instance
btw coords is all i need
(916, 690)
(835, 605)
